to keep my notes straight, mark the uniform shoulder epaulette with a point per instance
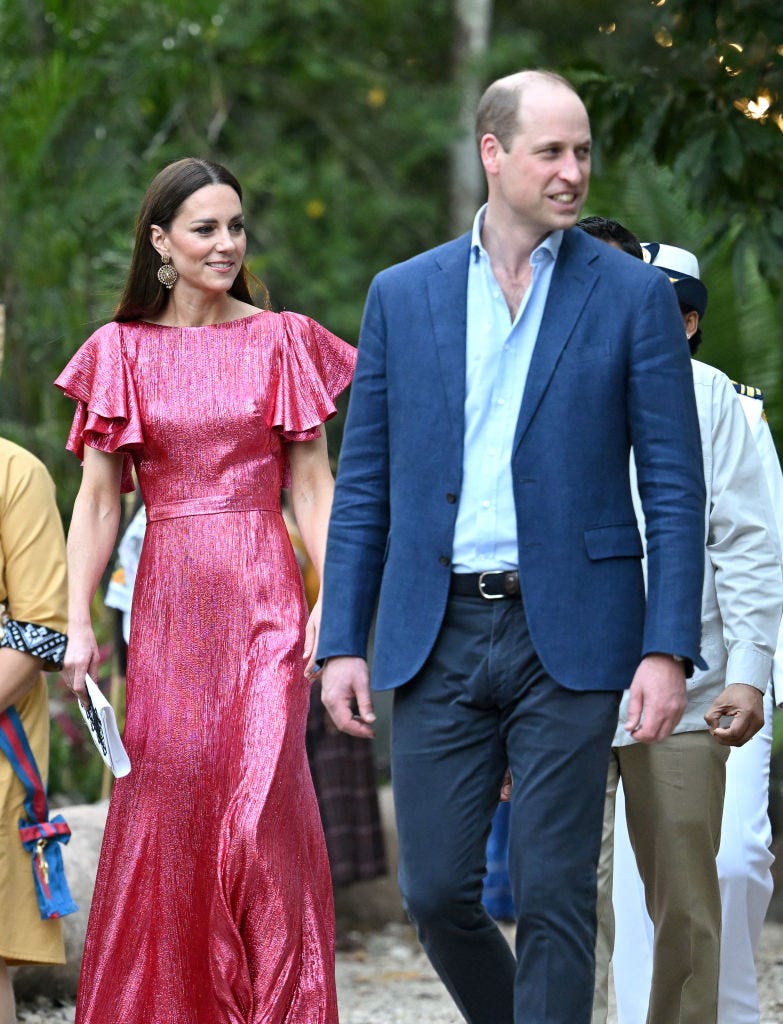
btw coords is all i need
(748, 391)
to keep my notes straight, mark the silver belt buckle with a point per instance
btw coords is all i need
(490, 597)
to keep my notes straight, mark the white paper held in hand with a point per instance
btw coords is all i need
(102, 725)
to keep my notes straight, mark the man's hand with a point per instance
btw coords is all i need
(506, 787)
(657, 698)
(744, 705)
(344, 680)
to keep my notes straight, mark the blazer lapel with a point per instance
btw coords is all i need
(447, 290)
(572, 282)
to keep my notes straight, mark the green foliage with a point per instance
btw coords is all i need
(669, 80)
(337, 118)
(777, 732)
(675, 158)
(340, 142)
(743, 317)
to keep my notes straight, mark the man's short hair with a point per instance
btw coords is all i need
(612, 231)
(498, 109)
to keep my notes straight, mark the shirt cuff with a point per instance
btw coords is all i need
(747, 664)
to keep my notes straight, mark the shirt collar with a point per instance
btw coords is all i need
(551, 243)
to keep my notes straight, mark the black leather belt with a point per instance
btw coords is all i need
(491, 585)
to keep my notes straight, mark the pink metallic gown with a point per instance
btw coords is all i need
(213, 901)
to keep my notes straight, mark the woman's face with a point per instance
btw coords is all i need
(206, 240)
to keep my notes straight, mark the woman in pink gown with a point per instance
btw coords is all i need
(213, 902)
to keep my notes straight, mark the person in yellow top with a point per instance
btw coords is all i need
(33, 600)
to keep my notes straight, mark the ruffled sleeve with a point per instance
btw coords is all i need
(107, 409)
(313, 368)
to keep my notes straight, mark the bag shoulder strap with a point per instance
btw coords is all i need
(15, 746)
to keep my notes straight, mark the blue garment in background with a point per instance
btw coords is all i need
(497, 897)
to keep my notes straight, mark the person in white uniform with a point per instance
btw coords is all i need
(674, 793)
(745, 858)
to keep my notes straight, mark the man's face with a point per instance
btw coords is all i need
(542, 180)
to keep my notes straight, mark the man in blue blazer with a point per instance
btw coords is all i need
(483, 505)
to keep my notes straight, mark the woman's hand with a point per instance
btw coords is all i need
(81, 656)
(311, 639)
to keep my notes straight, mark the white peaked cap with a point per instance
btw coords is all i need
(672, 258)
(682, 269)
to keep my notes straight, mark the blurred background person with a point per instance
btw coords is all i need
(740, 885)
(745, 856)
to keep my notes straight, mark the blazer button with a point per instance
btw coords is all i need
(444, 560)
(451, 498)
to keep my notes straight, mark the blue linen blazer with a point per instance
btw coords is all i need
(610, 370)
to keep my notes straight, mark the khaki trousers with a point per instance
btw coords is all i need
(674, 799)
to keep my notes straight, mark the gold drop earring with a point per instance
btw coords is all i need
(167, 272)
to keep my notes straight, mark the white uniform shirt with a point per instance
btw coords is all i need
(742, 597)
(753, 407)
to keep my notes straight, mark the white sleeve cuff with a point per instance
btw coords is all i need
(748, 664)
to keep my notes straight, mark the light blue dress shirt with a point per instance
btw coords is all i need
(498, 358)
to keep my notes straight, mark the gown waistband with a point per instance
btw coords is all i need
(210, 504)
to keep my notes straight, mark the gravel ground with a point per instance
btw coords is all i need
(387, 980)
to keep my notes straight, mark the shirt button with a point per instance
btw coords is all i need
(501, 401)
(451, 498)
(486, 504)
(444, 560)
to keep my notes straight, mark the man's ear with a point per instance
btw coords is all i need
(489, 151)
(691, 321)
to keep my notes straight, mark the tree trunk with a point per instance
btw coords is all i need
(474, 19)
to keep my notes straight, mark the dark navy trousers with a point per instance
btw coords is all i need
(481, 702)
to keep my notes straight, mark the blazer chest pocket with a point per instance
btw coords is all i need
(620, 541)
(587, 348)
